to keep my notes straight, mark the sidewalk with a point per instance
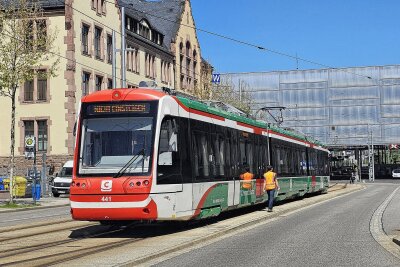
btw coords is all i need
(46, 202)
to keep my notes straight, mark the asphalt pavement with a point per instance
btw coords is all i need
(390, 218)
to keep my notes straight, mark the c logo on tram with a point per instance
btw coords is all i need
(106, 185)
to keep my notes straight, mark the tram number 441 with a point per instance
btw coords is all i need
(106, 199)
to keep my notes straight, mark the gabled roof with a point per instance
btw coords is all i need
(43, 3)
(164, 16)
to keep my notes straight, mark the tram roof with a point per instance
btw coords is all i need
(149, 94)
(215, 111)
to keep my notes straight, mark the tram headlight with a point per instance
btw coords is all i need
(146, 182)
(131, 184)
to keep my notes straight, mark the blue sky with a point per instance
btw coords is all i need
(337, 33)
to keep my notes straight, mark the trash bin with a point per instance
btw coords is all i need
(1, 183)
(19, 186)
(36, 191)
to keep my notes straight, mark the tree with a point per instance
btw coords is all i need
(237, 96)
(25, 44)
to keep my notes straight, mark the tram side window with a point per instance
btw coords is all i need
(250, 155)
(227, 165)
(266, 160)
(169, 163)
(234, 153)
(303, 163)
(279, 160)
(201, 155)
(216, 156)
(285, 161)
(259, 156)
(322, 163)
(313, 164)
(246, 152)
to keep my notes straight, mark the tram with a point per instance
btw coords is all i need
(145, 154)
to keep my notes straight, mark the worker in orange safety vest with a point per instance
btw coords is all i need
(271, 184)
(247, 177)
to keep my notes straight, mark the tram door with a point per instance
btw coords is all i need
(170, 154)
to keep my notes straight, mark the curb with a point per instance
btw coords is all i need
(396, 240)
(33, 208)
(249, 223)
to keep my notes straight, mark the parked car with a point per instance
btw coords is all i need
(396, 173)
(63, 180)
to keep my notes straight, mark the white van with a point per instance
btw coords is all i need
(63, 180)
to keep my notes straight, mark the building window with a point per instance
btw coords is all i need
(132, 60)
(85, 39)
(28, 90)
(36, 87)
(109, 49)
(165, 72)
(42, 132)
(29, 34)
(42, 135)
(41, 34)
(144, 29)
(99, 6)
(85, 83)
(109, 83)
(29, 128)
(150, 66)
(99, 82)
(194, 63)
(42, 85)
(97, 42)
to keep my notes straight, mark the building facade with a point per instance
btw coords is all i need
(340, 107)
(47, 108)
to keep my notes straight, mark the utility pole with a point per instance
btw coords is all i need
(371, 163)
(114, 61)
(123, 49)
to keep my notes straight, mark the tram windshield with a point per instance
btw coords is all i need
(113, 135)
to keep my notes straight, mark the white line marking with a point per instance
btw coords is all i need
(376, 227)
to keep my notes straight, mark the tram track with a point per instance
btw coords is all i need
(60, 227)
(65, 256)
(33, 225)
(37, 255)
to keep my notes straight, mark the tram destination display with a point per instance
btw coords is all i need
(124, 108)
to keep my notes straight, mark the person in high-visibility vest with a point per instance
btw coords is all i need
(271, 184)
(247, 177)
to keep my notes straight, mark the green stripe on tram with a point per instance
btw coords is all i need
(216, 201)
(290, 187)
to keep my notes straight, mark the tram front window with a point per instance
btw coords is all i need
(108, 144)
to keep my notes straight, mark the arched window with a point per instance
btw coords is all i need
(194, 63)
(189, 66)
(188, 49)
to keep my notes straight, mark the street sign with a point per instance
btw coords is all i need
(216, 78)
(29, 154)
(30, 141)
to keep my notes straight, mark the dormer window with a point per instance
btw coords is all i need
(144, 29)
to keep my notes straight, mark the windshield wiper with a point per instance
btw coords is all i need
(129, 163)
